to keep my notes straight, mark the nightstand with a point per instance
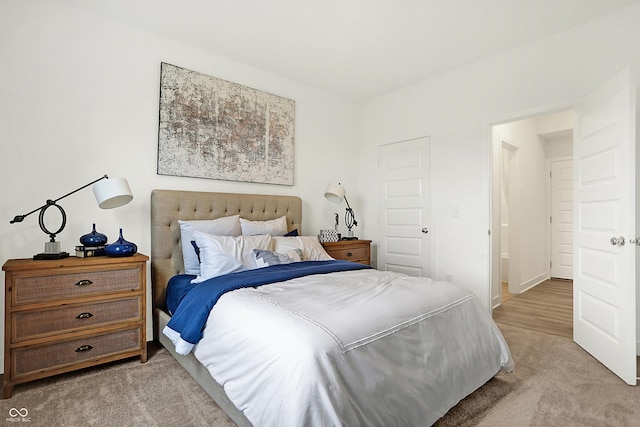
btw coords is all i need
(350, 250)
(72, 313)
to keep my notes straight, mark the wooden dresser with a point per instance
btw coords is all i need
(350, 250)
(68, 314)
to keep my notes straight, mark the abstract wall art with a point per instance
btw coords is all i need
(213, 128)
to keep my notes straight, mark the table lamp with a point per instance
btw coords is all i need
(110, 193)
(335, 193)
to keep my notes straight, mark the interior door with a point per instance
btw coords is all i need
(604, 217)
(404, 223)
(562, 219)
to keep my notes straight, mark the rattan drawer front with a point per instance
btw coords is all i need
(351, 254)
(29, 360)
(29, 325)
(29, 289)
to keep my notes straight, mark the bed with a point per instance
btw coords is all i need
(344, 346)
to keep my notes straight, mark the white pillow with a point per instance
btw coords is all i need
(275, 227)
(311, 248)
(265, 258)
(225, 226)
(226, 254)
(216, 264)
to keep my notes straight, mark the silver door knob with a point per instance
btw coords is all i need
(617, 241)
(425, 230)
(635, 241)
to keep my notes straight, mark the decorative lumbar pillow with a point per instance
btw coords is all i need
(292, 233)
(265, 258)
(225, 226)
(227, 254)
(274, 227)
(310, 247)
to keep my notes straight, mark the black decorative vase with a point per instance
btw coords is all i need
(121, 248)
(94, 238)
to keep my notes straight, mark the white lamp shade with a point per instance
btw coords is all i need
(335, 192)
(112, 193)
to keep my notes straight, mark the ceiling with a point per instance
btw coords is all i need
(356, 49)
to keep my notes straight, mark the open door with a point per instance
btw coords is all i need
(604, 301)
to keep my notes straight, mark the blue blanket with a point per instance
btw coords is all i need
(190, 316)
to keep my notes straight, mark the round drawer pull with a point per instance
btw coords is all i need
(349, 254)
(84, 315)
(82, 348)
(84, 282)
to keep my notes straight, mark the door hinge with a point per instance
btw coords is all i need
(489, 232)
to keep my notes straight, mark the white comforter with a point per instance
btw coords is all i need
(356, 348)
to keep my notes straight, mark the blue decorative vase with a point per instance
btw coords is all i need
(121, 248)
(94, 238)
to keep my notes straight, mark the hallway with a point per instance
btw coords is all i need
(548, 308)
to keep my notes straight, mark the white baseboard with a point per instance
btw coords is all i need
(496, 301)
(533, 282)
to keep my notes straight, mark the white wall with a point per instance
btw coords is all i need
(79, 98)
(559, 148)
(457, 110)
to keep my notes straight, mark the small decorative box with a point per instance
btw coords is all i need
(328, 236)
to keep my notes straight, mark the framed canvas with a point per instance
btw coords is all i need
(213, 128)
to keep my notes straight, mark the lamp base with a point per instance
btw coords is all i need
(48, 255)
(51, 251)
(350, 238)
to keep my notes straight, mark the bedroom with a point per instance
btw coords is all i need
(80, 89)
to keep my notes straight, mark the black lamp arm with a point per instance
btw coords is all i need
(20, 218)
(350, 212)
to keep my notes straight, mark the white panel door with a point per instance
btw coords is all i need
(604, 178)
(404, 184)
(562, 219)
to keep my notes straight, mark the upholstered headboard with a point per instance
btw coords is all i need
(169, 206)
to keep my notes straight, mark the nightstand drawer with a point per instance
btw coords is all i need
(351, 254)
(35, 324)
(350, 250)
(31, 289)
(64, 354)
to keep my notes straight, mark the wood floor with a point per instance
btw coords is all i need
(548, 308)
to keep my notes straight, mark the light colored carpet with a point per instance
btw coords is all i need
(555, 383)
(156, 393)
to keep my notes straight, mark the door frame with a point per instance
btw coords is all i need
(499, 145)
(493, 240)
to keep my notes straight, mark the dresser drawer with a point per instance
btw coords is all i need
(29, 289)
(60, 355)
(35, 324)
(351, 254)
